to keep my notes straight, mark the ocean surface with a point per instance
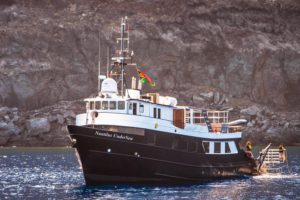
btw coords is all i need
(54, 173)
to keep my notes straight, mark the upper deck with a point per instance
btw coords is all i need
(156, 110)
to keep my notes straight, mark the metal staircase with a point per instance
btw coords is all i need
(204, 113)
(272, 161)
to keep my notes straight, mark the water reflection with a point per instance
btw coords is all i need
(56, 174)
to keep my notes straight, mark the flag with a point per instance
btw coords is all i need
(145, 79)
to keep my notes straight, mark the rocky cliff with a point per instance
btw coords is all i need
(214, 53)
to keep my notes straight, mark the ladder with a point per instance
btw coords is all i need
(204, 113)
(272, 160)
(273, 157)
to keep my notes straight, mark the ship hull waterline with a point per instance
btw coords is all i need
(114, 157)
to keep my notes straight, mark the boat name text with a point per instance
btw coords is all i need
(114, 135)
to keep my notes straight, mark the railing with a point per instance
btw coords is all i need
(218, 120)
(196, 117)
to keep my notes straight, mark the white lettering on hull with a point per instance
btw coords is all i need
(115, 135)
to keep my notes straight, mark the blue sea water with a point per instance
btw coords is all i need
(54, 173)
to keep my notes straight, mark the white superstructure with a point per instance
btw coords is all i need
(130, 108)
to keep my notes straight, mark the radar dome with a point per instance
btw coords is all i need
(109, 85)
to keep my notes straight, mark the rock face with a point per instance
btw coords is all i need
(205, 53)
(37, 126)
(248, 49)
(41, 127)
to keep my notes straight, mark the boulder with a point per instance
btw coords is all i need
(249, 124)
(252, 110)
(286, 125)
(38, 126)
(222, 100)
(15, 118)
(207, 95)
(7, 129)
(4, 111)
(197, 100)
(216, 97)
(273, 131)
(69, 113)
(6, 117)
(60, 119)
(3, 126)
(266, 124)
(52, 118)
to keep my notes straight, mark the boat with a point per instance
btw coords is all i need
(126, 136)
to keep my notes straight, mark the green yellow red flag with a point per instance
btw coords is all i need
(145, 79)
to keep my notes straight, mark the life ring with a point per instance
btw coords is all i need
(94, 114)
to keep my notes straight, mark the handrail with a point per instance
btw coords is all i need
(264, 152)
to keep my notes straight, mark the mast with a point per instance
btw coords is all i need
(123, 55)
(122, 58)
(99, 63)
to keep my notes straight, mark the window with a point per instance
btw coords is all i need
(205, 147)
(141, 108)
(104, 105)
(197, 121)
(112, 105)
(232, 147)
(92, 104)
(217, 147)
(192, 146)
(154, 112)
(158, 113)
(121, 105)
(98, 105)
(227, 149)
(130, 106)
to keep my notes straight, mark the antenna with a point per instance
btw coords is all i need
(122, 54)
(122, 51)
(99, 63)
(108, 62)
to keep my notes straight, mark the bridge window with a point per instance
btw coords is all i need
(227, 149)
(154, 112)
(217, 147)
(158, 113)
(98, 105)
(121, 105)
(104, 105)
(112, 105)
(141, 108)
(232, 147)
(92, 105)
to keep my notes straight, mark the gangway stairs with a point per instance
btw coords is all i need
(272, 160)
